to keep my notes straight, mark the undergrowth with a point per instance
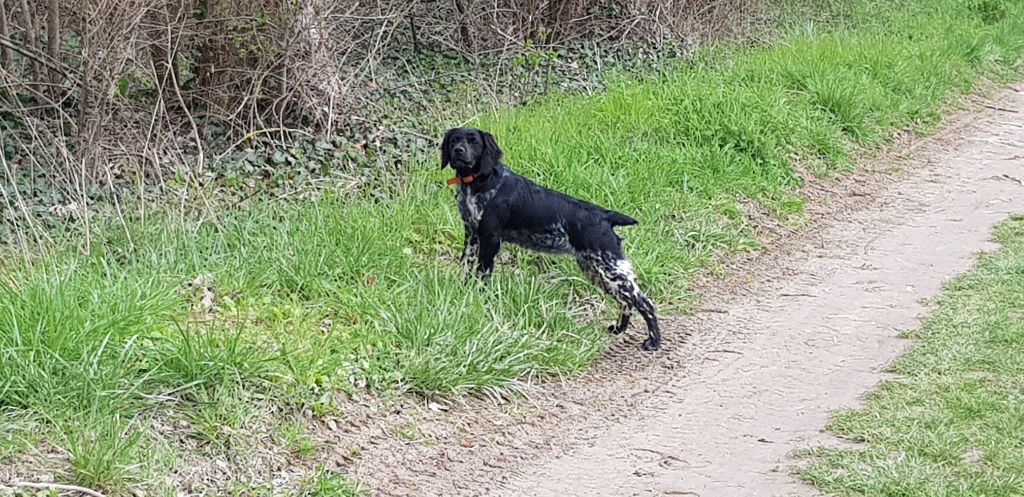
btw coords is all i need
(287, 302)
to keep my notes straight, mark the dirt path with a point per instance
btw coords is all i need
(801, 331)
(813, 344)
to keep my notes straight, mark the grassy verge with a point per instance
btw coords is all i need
(954, 425)
(194, 322)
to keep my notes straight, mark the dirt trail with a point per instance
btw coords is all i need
(803, 330)
(812, 345)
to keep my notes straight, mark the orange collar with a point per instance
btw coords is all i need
(462, 180)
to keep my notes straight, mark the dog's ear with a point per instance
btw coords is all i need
(446, 143)
(490, 156)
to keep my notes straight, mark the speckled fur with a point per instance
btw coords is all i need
(498, 206)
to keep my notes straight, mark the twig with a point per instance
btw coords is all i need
(412, 29)
(252, 134)
(725, 351)
(1002, 109)
(19, 201)
(433, 77)
(57, 486)
(431, 139)
(657, 452)
(35, 56)
(1009, 178)
(201, 159)
(714, 310)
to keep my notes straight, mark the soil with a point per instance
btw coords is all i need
(792, 334)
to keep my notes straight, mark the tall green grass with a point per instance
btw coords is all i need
(354, 291)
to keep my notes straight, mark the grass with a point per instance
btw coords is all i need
(359, 291)
(953, 425)
(326, 484)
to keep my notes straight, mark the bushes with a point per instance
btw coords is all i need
(98, 91)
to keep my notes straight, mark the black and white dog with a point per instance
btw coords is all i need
(498, 205)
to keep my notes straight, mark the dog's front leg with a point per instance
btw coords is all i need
(470, 250)
(490, 244)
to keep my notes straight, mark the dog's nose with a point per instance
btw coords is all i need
(459, 149)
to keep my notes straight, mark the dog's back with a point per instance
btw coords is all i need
(541, 197)
(539, 218)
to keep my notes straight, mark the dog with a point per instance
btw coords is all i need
(497, 206)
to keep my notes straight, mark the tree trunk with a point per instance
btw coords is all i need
(53, 47)
(30, 42)
(460, 5)
(5, 53)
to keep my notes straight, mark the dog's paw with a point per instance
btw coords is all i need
(615, 330)
(651, 344)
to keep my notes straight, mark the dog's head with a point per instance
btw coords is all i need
(469, 151)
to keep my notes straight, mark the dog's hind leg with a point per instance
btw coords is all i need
(646, 309)
(614, 274)
(628, 293)
(625, 311)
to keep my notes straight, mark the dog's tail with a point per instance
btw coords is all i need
(618, 218)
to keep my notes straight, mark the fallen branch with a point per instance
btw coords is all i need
(1001, 109)
(57, 486)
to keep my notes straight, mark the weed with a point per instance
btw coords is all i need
(216, 415)
(411, 433)
(104, 450)
(293, 437)
(327, 484)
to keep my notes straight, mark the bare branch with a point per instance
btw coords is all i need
(116, 101)
(38, 57)
(56, 486)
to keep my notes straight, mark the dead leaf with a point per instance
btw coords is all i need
(208, 298)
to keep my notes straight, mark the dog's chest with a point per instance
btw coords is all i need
(471, 206)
